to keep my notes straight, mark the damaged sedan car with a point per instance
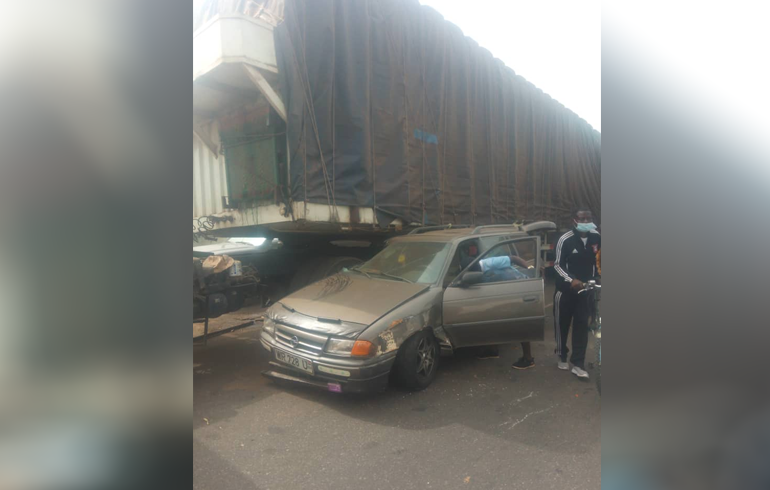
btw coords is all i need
(424, 295)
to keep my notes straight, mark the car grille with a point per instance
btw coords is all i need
(310, 343)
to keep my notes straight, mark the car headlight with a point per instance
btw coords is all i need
(351, 348)
(268, 326)
(339, 347)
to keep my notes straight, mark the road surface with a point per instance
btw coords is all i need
(480, 425)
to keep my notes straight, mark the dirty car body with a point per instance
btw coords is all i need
(423, 295)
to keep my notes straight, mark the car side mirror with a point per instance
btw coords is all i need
(471, 278)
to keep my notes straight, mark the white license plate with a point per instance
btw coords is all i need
(298, 362)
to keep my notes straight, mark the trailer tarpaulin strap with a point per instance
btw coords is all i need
(393, 107)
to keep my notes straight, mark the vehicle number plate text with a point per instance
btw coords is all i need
(298, 362)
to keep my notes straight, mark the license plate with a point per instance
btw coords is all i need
(298, 362)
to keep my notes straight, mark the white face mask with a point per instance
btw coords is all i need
(585, 227)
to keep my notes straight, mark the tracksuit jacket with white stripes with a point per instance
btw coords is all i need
(575, 260)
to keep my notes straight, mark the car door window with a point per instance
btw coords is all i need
(463, 256)
(499, 265)
(489, 241)
(526, 250)
(523, 260)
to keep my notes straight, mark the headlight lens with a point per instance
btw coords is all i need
(268, 326)
(354, 348)
(339, 347)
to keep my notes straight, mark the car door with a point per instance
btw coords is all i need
(498, 311)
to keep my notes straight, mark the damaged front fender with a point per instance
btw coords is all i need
(399, 330)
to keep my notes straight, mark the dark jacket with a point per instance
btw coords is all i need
(575, 260)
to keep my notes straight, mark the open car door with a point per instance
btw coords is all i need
(498, 306)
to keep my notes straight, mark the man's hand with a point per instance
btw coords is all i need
(515, 259)
(577, 285)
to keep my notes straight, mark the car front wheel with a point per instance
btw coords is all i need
(417, 361)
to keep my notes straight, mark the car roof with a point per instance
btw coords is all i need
(457, 234)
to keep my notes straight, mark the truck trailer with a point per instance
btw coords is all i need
(328, 126)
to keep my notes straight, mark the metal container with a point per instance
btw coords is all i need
(209, 180)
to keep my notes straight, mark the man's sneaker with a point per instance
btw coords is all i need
(523, 363)
(563, 365)
(580, 373)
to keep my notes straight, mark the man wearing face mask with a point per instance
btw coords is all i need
(575, 264)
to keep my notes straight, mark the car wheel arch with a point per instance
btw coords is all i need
(402, 371)
(427, 329)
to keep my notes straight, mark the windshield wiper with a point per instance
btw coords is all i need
(394, 277)
(380, 273)
(288, 307)
(356, 269)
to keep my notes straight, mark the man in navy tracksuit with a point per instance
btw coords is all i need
(575, 265)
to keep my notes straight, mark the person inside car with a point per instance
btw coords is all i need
(497, 269)
(468, 253)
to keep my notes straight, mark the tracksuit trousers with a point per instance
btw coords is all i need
(569, 307)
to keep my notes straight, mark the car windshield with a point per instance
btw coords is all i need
(419, 262)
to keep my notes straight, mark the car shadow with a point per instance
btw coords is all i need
(527, 407)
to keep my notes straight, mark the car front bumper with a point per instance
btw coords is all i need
(331, 373)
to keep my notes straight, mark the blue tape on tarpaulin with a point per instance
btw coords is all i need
(426, 137)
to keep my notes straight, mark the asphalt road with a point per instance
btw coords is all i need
(480, 425)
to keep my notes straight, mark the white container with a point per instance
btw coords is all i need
(236, 270)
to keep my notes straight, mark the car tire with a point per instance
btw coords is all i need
(410, 371)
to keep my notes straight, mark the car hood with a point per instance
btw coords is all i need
(351, 298)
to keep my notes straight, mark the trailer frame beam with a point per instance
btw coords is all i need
(267, 90)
